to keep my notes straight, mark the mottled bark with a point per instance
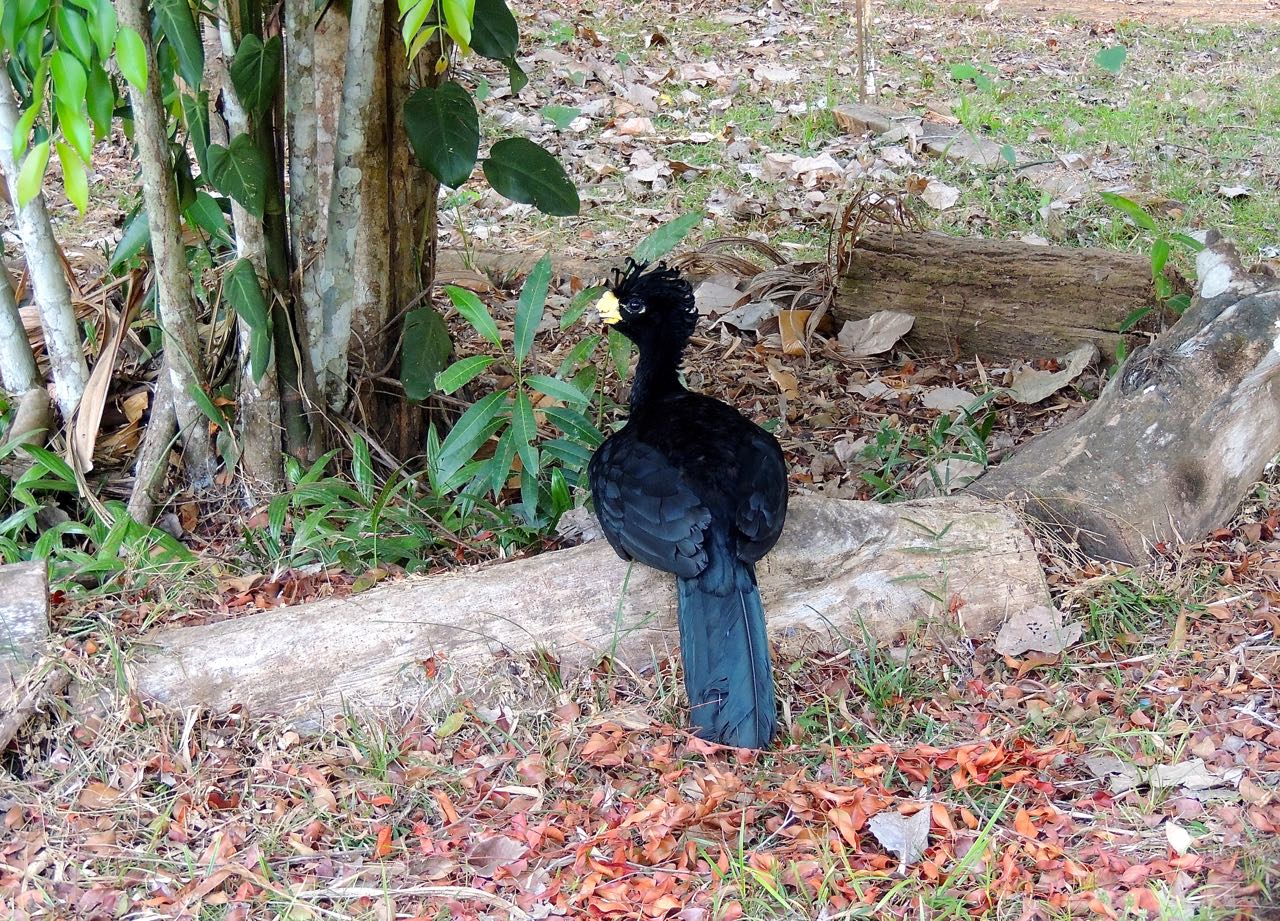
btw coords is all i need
(152, 462)
(44, 265)
(18, 371)
(1177, 437)
(175, 303)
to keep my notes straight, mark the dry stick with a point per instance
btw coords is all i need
(174, 299)
(44, 263)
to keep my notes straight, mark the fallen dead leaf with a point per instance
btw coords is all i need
(1038, 629)
(791, 325)
(876, 334)
(1030, 385)
(906, 836)
(939, 195)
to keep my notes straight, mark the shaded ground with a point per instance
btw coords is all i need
(1249, 11)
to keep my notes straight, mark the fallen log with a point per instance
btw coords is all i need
(1177, 438)
(840, 567)
(998, 299)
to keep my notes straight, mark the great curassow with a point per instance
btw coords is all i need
(690, 486)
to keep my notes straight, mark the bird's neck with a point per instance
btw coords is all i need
(657, 374)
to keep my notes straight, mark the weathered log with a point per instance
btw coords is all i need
(24, 620)
(999, 299)
(839, 567)
(1177, 437)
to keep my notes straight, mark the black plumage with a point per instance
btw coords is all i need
(692, 487)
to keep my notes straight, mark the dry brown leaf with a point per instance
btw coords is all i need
(1038, 629)
(906, 836)
(791, 324)
(788, 386)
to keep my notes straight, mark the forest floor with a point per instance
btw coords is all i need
(1135, 775)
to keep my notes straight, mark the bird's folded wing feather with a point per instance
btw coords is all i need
(646, 510)
(762, 488)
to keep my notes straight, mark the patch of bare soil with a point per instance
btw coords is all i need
(1231, 11)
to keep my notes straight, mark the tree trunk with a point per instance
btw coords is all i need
(18, 371)
(1177, 437)
(153, 454)
(44, 265)
(174, 301)
(1000, 299)
(955, 564)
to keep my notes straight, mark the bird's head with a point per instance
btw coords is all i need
(649, 305)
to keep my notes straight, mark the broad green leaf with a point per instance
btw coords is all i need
(1134, 211)
(524, 172)
(533, 299)
(102, 26)
(179, 27)
(1133, 319)
(1009, 155)
(206, 213)
(471, 430)
(101, 100)
(74, 179)
(1159, 256)
(261, 347)
(457, 17)
(556, 388)
(579, 303)
(667, 237)
(494, 33)
(69, 78)
(425, 352)
(32, 173)
(964, 72)
(136, 235)
(28, 11)
(244, 293)
(444, 129)
(75, 127)
(206, 405)
(473, 310)
(240, 172)
(413, 21)
(255, 72)
(620, 349)
(73, 34)
(519, 79)
(1189, 242)
(1112, 59)
(482, 89)
(131, 56)
(195, 111)
(462, 372)
(560, 116)
(421, 42)
(574, 424)
(1179, 303)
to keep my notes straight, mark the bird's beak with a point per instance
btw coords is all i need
(609, 309)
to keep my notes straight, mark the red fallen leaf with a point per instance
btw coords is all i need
(732, 911)
(217, 801)
(1023, 825)
(599, 744)
(843, 820)
(1100, 907)
(383, 846)
(382, 800)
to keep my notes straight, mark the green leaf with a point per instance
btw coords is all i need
(457, 17)
(69, 78)
(207, 406)
(137, 234)
(494, 33)
(1009, 155)
(574, 424)
(444, 129)
(1179, 303)
(74, 179)
(471, 430)
(1111, 59)
(255, 72)
(206, 213)
(533, 299)
(179, 27)
(667, 237)
(964, 72)
(519, 79)
(1134, 211)
(579, 356)
(619, 351)
(1159, 256)
(261, 347)
(524, 172)
(556, 388)
(413, 21)
(32, 173)
(195, 111)
(102, 26)
(500, 464)
(560, 116)
(75, 128)
(579, 303)
(462, 372)
(1189, 242)
(421, 41)
(1133, 319)
(131, 56)
(240, 172)
(482, 90)
(244, 292)
(473, 310)
(73, 34)
(101, 100)
(426, 350)
(524, 428)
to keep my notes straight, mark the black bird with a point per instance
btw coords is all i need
(692, 487)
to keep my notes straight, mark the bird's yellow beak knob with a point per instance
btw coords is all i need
(609, 309)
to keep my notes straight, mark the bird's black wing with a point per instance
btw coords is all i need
(646, 509)
(762, 494)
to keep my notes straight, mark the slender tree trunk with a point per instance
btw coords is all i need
(350, 210)
(52, 295)
(153, 455)
(18, 371)
(258, 403)
(174, 300)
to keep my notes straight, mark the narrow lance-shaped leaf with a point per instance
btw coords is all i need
(32, 173)
(533, 299)
(556, 388)
(473, 310)
(471, 430)
(462, 372)
(667, 237)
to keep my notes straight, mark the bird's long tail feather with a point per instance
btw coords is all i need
(725, 649)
